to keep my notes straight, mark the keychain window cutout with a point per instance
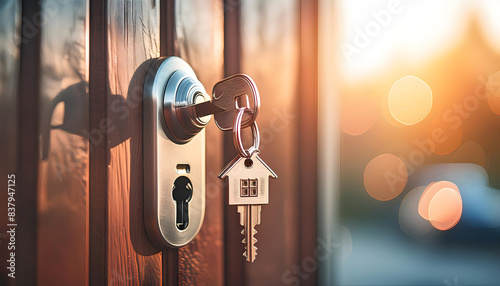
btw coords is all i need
(249, 187)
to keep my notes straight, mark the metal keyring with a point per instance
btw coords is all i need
(238, 143)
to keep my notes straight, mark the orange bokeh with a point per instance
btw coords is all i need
(385, 177)
(445, 209)
(387, 113)
(431, 190)
(446, 137)
(357, 116)
(409, 100)
(441, 205)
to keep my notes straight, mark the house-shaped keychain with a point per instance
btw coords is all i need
(248, 180)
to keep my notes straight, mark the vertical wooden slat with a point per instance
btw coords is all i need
(169, 47)
(271, 56)
(308, 130)
(133, 40)
(168, 43)
(63, 169)
(234, 263)
(98, 153)
(28, 151)
(170, 266)
(232, 37)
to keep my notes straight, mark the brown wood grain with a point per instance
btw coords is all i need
(133, 38)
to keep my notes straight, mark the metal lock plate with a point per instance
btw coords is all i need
(174, 149)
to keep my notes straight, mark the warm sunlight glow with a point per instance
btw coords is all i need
(374, 33)
(410, 100)
(445, 209)
(357, 116)
(385, 177)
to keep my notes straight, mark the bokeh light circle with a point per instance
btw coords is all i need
(410, 100)
(430, 191)
(385, 177)
(445, 209)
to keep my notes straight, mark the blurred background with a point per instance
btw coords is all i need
(419, 196)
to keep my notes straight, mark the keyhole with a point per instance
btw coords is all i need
(182, 194)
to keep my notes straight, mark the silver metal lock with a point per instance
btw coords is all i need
(176, 108)
(174, 153)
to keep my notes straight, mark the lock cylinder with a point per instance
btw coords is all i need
(183, 91)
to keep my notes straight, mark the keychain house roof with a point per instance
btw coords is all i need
(248, 180)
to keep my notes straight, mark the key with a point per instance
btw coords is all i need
(249, 218)
(229, 95)
(248, 180)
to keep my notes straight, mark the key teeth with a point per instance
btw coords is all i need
(250, 215)
(254, 241)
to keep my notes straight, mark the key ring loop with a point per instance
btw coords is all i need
(238, 143)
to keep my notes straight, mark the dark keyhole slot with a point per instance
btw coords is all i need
(183, 168)
(182, 194)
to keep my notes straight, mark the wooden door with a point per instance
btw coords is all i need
(137, 32)
(79, 150)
